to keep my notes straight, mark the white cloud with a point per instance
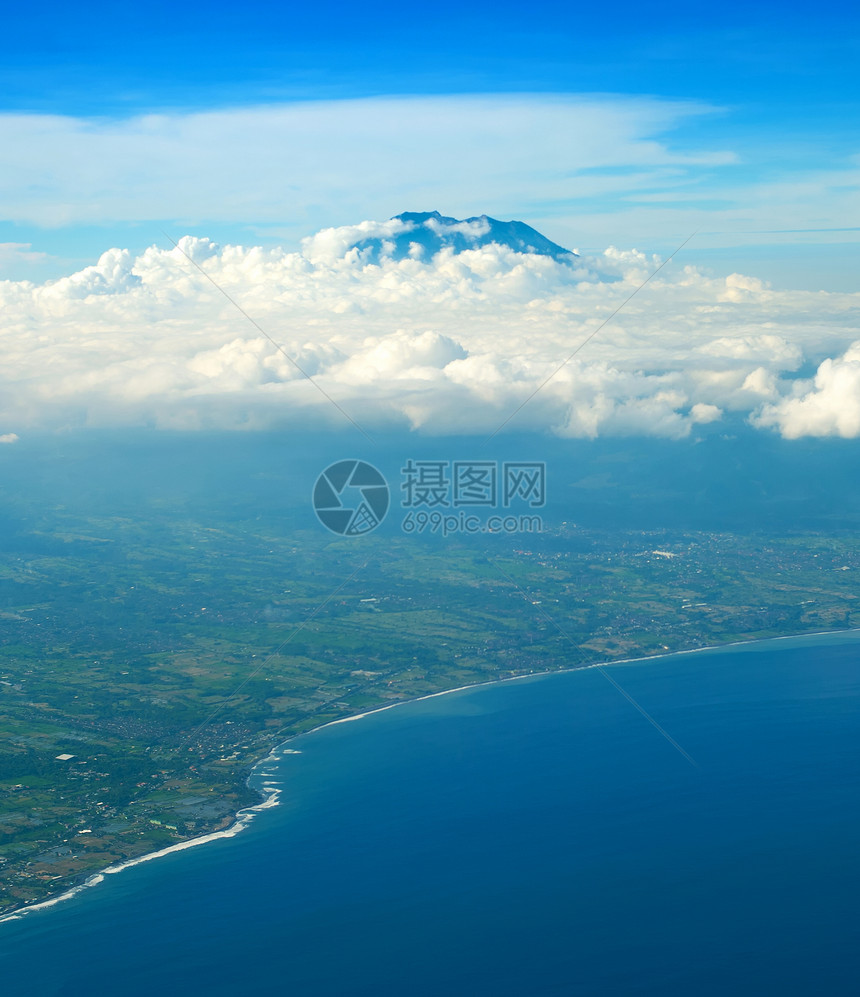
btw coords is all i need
(306, 164)
(19, 252)
(454, 343)
(763, 348)
(9, 438)
(331, 244)
(586, 169)
(703, 413)
(471, 230)
(827, 406)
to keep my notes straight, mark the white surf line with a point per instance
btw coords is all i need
(566, 671)
(241, 820)
(245, 816)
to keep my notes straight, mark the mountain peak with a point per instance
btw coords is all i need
(422, 234)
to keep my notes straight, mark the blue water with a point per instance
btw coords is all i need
(529, 838)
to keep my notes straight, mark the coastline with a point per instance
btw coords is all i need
(241, 820)
(271, 796)
(565, 671)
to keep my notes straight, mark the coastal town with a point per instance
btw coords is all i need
(133, 726)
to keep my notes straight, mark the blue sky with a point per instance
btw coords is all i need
(105, 58)
(771, 91)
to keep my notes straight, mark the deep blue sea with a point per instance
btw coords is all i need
(536, 837)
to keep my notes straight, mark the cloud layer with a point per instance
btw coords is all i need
(261, 164)
(602, 167)
(454, 343)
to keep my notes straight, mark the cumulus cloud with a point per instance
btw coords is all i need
(332, 244)
(829, 405)
(704, 413)
(452, 343)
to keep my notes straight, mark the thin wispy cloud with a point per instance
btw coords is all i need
(588, 169)
(264, 164)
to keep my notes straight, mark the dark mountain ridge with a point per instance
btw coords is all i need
(427, 232)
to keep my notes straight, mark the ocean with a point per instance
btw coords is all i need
(531, 837)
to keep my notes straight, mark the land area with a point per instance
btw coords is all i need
(148, 662)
